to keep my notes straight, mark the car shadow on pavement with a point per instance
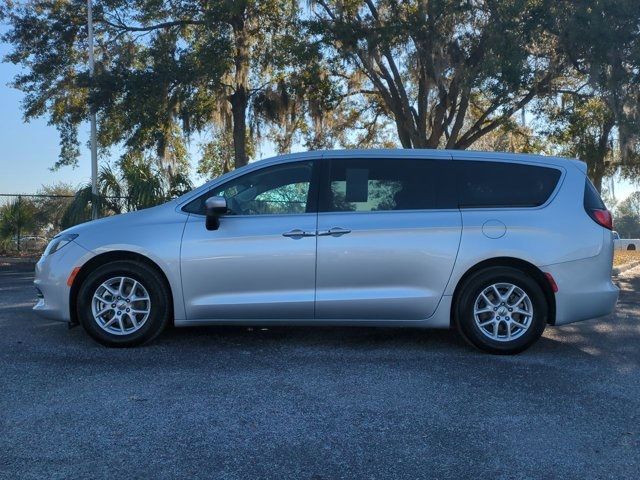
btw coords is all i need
(327, 336)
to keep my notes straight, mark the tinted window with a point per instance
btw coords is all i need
(592, 200)
(386, 184)
(281, 189)
(498, 184)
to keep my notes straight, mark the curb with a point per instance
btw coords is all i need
(17, 263)
(625, 267)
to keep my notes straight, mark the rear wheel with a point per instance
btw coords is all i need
(123, 304)
(501, 310)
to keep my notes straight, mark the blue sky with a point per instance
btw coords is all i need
(30, 149)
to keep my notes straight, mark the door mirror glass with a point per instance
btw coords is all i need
(215, 207)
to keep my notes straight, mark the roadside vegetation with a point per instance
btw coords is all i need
(28, 222)
(623, 257)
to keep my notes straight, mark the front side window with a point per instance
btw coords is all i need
(358, 185)
(280, 189)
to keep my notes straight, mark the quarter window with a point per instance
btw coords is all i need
(502, 184)
(592, 199)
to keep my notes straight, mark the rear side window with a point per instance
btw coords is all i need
(359, 185)
(503, 185)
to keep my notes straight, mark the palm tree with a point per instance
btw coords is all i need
(16, 219)
(134, 184)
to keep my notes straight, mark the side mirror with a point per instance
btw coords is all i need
(215, 207)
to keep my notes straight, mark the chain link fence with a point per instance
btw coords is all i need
(28, 222)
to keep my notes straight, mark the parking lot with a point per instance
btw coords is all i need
(316, 403)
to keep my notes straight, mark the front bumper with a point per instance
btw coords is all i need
(51, 277)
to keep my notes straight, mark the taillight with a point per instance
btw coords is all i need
(602, 217)
(552, 282)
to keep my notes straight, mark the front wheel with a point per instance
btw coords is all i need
(501, 310)
(123, 304)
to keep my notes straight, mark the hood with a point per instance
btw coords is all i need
(151, 215)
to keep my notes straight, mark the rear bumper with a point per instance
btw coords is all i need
(50, 281)
(585, 289)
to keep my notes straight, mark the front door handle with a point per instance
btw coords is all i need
(335, 231)
(297, 233)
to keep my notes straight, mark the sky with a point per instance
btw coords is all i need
(30, 149)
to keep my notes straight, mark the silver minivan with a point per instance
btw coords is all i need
(495, 245)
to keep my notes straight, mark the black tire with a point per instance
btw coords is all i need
(159, 295)
(471, 290)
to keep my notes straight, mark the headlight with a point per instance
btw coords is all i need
(58, 242)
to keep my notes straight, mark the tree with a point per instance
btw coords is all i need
(600, 115)
(163, 69)
(431, 66)
(627, 217)
(418, 73)
(217, 156)
(136, 182)
(514, 137)
(50, 207)
(16, 218)
(581, 126)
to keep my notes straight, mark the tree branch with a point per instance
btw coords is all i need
(158, 26)
(468, 139)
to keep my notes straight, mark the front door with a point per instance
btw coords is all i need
(388, 236)
(260, 263)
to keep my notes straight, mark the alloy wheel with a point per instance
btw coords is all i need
(503, 312)
(121, 305)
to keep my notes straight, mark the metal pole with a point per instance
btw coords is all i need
(94, 146)
(19, 223)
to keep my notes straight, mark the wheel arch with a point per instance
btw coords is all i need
(103, 259)
(522, 265)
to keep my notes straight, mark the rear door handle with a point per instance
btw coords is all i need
(297, 233)
(335, 231)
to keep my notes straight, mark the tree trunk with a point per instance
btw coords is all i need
(598, 167)
(240, 97)
(403, 134)
(597, 180)
(239, 103)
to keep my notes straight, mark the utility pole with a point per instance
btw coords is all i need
(94, 146)
(19, 218)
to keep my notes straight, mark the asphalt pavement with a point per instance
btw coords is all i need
(317, 403)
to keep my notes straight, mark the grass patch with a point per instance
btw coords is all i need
(622, 257)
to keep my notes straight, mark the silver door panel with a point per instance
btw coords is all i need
(391, 265)
(248, 269)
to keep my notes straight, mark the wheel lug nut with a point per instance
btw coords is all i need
(495, 309)
(511, 309)
(119, 313)
(497, 318)
(507, 318)
(119, 298)
(128, 300)
(128, 310)
(113, 305)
